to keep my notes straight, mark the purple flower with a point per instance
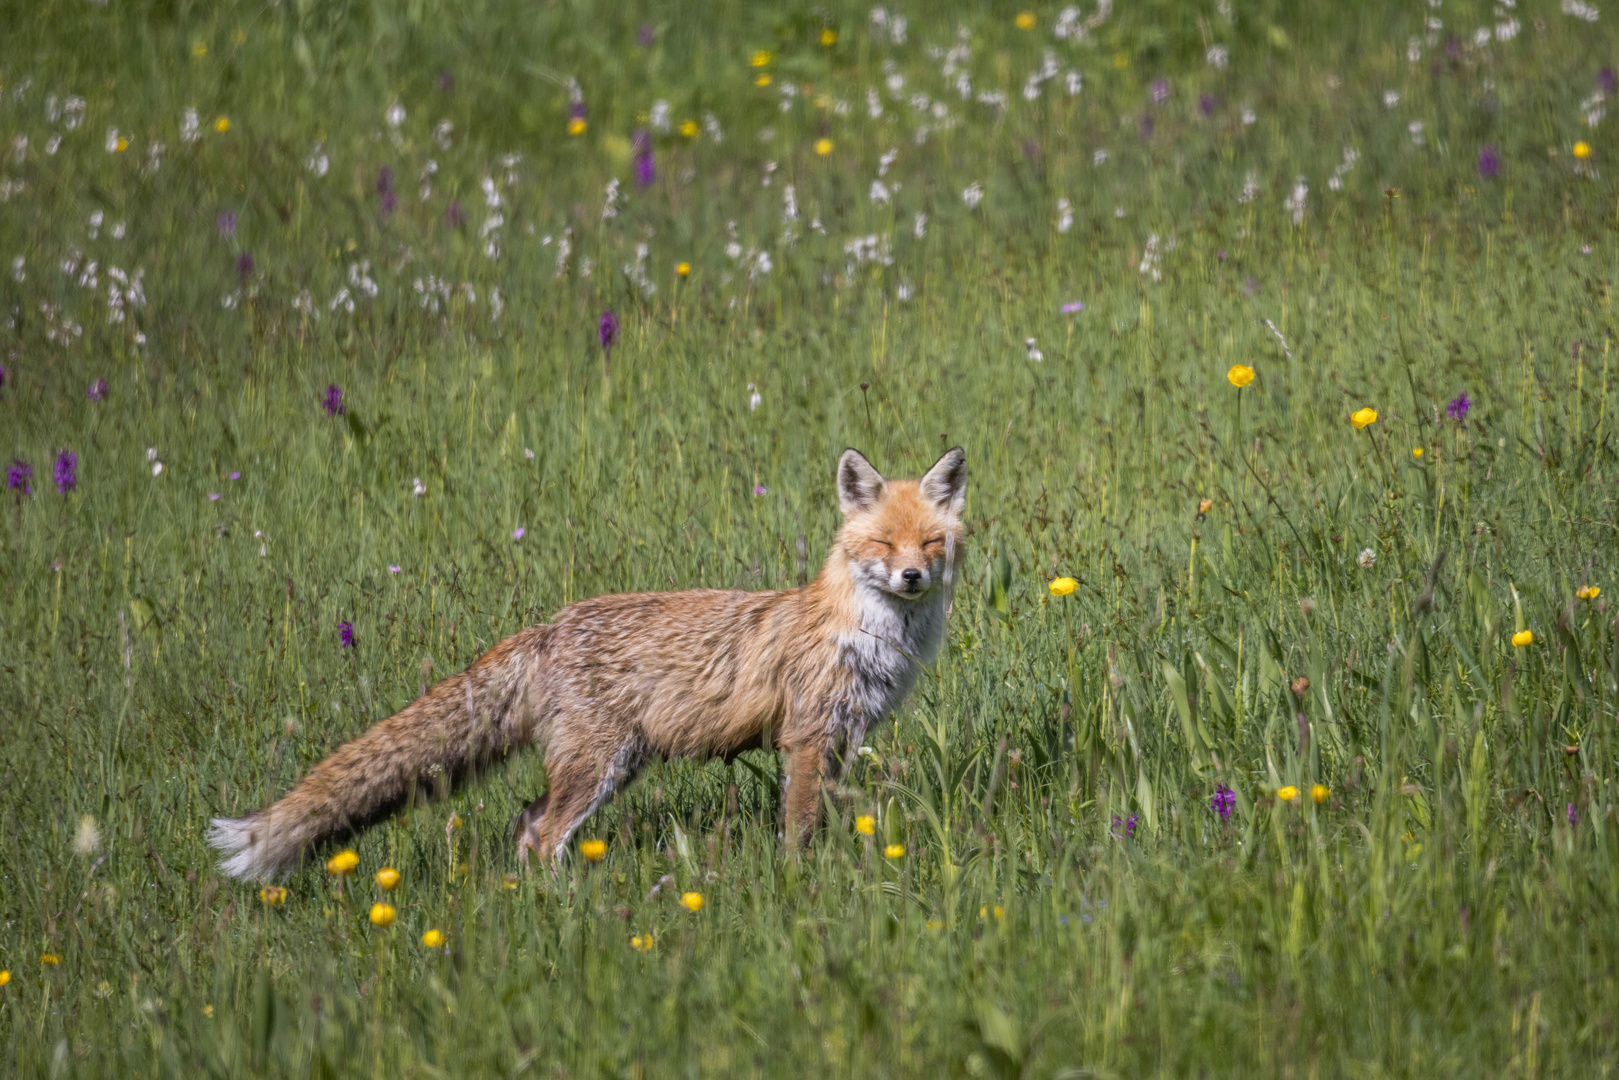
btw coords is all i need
(227, 223)
(1224, 801)
(1220, 255)
(213, 496)
(393, 568)
(345, 630)
(235, 476)
(1128, 824)
(453, 216)
(607, 330)
(333, 402)
(67, 469)
(18, 475)
(446, 82)
(1073, 307)
(2, 375)
(1160, 90)
(1489, 162)
(244, 266)
(1573, 816)
(645, 171)
(1145, 125)
(646, 35)
(385, 188)
(760, 489)
(1457, 409)
(518, 533)
(97, 391)
(576, 111)
(1607, 81)
(1206, 104)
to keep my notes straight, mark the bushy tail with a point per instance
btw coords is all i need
(484, 712)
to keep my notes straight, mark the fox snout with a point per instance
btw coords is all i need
(910, 581)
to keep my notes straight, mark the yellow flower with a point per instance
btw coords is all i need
(762, 80)
(593, 849)
(5, 977)
(383, 914)
(274, 895)
(1288, 793)
(208, 1011)
(823, 146)
(1025, 20)
(1416, 451)
(388, 877)
(454, 822)
(689, 129)
(1362, 417)
(1205, 505)
(1240, 375)
(222, 124)
(1588, 592)
(760, 59)
(935, 924)
(894, 851)
(1063, 586)
(692, 901)
(683, 269)
(1121, 60)
(865, 825)
(1523, 637)
(642, 942)
(343, 862)
(50, 958)
(984, 912)
(199, 49)
(829, 37)
(509, 881)
(576, 125)
(433, 938)
(121, 145)
(1582, 150)
(1319, 794)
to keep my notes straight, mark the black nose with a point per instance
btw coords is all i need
(912, 576)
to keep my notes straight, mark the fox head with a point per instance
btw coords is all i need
(897, 534)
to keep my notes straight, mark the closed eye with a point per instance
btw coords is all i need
(884, 543)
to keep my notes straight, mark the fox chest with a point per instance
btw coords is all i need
(882, 659)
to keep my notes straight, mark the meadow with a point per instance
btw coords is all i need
(1274, 732)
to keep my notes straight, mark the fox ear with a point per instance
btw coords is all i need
(859, 484)
(945, 485)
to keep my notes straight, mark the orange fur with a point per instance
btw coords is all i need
(615, 681)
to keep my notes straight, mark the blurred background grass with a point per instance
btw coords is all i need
(1068, 904)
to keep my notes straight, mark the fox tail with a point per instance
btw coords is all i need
(479, 715)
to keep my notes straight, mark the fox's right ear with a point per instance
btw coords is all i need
(859, 484)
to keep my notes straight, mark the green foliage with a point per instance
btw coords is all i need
(1340, 613)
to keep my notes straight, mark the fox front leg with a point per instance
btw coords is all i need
(801, 795)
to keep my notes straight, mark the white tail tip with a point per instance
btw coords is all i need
(245, 843)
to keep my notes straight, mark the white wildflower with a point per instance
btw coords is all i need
(1218, 57)
(1034, 353)
(904, 291)
(789, 203)
(190, 127)
(1150, 257)
(1295, 203)
(754, 398)
(711, 125)
(418, 488)
(87, 838)
(318, 162)
(1099, 157)
(73, 112)
(1065, 215)
(919, 227)
(1413, 50)
(395, 115)
(660, 116)
(53, 144)
(886, 162)
(1586, 12)
(1073, 83)
(1391, 98)
(874, 104)
(1250, 187)
(443, 134)
(154, 157)
(491, 196)
(1507, 30)
(1248, 116)
(93, 223)
(879, 193)
(1415, 130)
(19, 148)
(17, 272)
(973, 194)
(112, 140)
(1367, 558)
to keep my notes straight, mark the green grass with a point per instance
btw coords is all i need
(166, 657)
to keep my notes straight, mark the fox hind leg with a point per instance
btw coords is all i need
(527, 825)
(576, 792)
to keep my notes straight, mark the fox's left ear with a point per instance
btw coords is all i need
(945, 485)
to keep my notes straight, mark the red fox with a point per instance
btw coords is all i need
(614, 681)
